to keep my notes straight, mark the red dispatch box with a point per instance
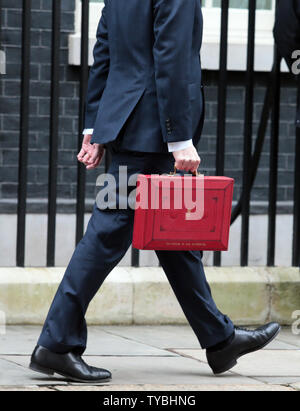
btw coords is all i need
(161, 222)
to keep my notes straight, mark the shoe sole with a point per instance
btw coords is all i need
(48, 371)
(233, 363)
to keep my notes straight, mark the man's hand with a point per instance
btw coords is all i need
(90, 154)
(187, 159)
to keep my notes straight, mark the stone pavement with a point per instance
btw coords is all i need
(153, 358)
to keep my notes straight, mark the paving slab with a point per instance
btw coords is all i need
(103, 343)
(149, 357)
(138, 370)
(159, 370)
(265, 363)
(13, 374)
(158, 336)
(21, 340)
(182, 336)
(288, 337)
(270, 364)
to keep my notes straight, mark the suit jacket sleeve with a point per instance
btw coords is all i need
(98, 72)
(287, 29)
(173, 36)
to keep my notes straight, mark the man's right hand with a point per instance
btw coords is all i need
(90, 154)
(187, 159)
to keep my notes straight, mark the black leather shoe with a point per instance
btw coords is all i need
(244, 342)
(70, 366)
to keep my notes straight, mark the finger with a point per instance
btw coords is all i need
(188, 165)
(81, 154)
(194, 169)
(95, 164)
(94, 156)
(179, 165)
(81, 160)
(88, 148)
(183, 165)
(99, 158)
(196, 164)
(86, 158)
(91, 150)
(92, 166)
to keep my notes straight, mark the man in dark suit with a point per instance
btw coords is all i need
(145, 105)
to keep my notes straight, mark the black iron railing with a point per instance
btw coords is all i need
(24, 131)
(54, 127)
(270, 111)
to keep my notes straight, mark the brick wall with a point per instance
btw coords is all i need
(235, 129)
(39, 114)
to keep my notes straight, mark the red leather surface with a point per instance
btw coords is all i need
(159, 227)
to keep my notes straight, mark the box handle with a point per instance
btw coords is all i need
(195, 173)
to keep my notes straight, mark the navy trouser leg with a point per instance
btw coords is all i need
(105, 242)
(185, 272)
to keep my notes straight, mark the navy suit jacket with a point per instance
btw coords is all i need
(287, 28)
(145, 84)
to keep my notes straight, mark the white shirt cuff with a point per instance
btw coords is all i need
(88, 131)
(180, 145)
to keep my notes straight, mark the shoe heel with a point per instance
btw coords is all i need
(226, 368)
(36, 367)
